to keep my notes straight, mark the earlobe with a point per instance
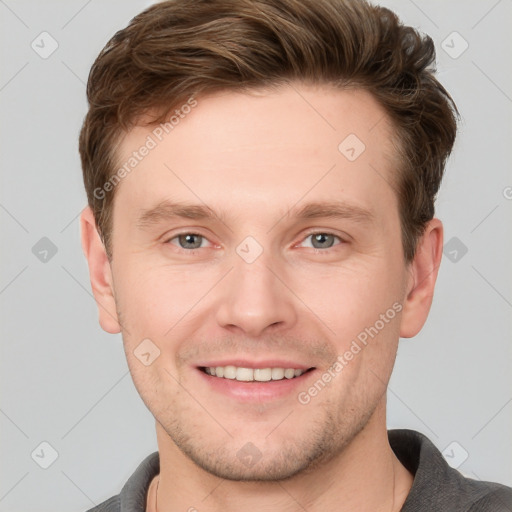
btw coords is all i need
(422, 279)
(100, 272)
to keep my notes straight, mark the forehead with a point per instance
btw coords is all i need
(264, 149)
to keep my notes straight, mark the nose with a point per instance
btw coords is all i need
(254, 299)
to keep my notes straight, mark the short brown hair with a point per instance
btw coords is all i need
(178, 49)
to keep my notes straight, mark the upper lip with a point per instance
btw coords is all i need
(265, 363)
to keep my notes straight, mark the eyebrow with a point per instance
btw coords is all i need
(336, 210)
(167, 210)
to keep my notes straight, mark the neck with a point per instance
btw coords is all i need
(364, 476)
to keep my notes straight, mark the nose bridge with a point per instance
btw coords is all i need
(253, 298)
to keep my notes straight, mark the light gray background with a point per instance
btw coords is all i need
(66, 382)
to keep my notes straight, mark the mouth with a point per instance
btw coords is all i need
(255, 381)
(243, 374)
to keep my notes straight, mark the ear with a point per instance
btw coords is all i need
(100, 272)
(422, 279)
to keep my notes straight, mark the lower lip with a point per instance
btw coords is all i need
(256, 391)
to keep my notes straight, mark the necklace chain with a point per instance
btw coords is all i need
(156, 494)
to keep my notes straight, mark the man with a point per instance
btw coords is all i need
(261, 178)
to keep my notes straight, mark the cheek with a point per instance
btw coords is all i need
(153, 299)
(349, 298)
(361, 305)
(152, 382)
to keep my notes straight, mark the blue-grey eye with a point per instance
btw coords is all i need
(322, 240)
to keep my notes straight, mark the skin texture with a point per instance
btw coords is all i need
(251, 158)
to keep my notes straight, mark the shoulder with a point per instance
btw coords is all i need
(111, 505)
(438, 486)
(497, 499)
(133, 495)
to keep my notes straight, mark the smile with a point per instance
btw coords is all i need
(253, 374)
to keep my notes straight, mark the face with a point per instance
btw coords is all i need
(260, 238)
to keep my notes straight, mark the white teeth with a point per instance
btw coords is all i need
(229, 372)
(257, 374)
(263, 375)
(277, 373)
(289, 373)
(245, 374)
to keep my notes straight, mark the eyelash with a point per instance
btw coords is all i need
(316, 250)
